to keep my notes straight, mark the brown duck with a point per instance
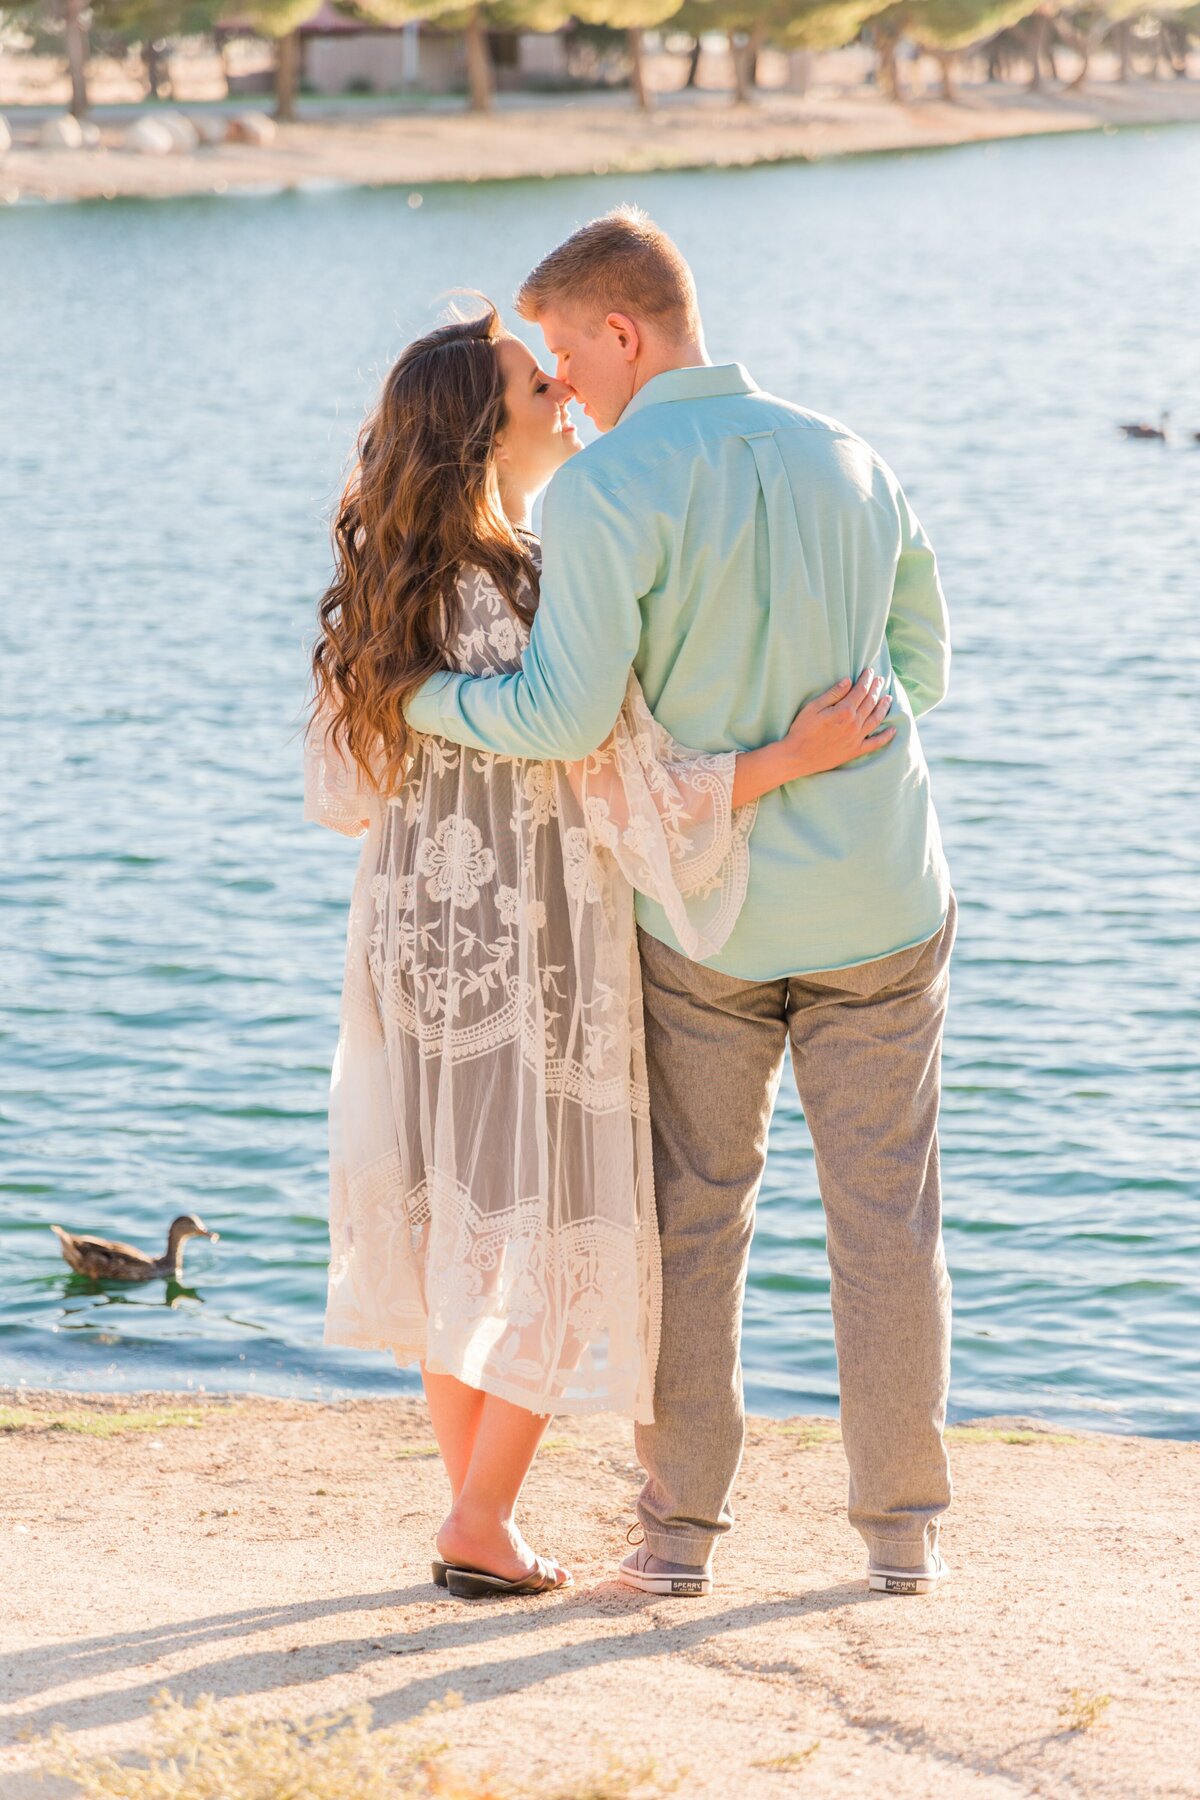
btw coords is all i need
(105, 1260)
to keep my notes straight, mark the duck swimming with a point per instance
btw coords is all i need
(1142, 430)
(107, 1260)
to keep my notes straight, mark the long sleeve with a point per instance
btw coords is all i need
(598, 560)
(918, 629)
(335, 793)
(665, 814)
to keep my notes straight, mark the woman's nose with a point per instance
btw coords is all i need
(562, 391)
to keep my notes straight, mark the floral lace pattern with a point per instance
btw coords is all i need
(491, 1189)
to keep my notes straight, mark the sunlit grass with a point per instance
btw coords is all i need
(1005, 1434)
(199, 1753)
(407, 1452)
(1080, 1711)
(809, 1431)
(101, 1424)
(790, 1760)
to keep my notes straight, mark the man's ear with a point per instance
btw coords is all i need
(626, 334)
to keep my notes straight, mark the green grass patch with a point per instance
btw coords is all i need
(1005, 1434)
(101, 1424)
(806, 1432)
(407, 1452)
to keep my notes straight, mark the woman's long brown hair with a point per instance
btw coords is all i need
(422, 502)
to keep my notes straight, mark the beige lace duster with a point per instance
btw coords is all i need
(491, 1189)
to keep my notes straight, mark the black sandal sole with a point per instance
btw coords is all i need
(477, 1584)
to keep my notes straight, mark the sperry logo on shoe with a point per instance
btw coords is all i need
(895, 1585)
(687, 1587)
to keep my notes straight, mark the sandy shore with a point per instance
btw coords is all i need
(275, 1554)
(573, 138)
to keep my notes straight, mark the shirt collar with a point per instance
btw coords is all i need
(706, 382)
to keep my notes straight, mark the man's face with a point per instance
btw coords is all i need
(594, 357)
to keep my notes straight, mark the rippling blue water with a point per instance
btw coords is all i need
(187, 382)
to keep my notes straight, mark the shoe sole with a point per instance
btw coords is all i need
(677, 1587)
(473, 1584)
(896, 1581)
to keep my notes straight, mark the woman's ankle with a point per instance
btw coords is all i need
(483, 1537)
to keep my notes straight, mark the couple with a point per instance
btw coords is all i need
(643, 805)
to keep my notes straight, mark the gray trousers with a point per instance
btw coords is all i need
(866, 1047)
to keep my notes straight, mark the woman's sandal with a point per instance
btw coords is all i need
(477, 1584)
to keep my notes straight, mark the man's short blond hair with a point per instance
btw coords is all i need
(621, 263)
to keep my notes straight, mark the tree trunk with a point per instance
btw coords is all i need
(1036, 30)
(287, 76)
(1121, 35)
(1082, 42)
(945, 62)
(77, 57)
(758, 38)
(887, 72)
(155, 65)
(743, 92)
(222, 43)
(480, 84)
(637, 67)
(693, 63)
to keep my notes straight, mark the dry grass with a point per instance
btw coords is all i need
(1081, 1710)
(791, 1760)
(99, 1424)
(200, 1753)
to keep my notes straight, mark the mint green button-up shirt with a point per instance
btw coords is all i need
(741, 555)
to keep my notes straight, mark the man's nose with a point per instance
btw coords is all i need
(562, 391)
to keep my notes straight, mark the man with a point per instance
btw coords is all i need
(742, 555)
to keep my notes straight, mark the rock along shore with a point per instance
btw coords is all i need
(275, 1554)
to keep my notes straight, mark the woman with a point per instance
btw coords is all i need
(492, 1211)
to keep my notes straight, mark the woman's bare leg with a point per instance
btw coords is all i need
(480, 1531)
(455, 1411)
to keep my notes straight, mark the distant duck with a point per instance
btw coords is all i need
(105, 1260)
(1157, 432)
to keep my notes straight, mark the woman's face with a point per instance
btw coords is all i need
(538, 437)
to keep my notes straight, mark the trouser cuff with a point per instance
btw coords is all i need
(903, 1553)
(681, 1547)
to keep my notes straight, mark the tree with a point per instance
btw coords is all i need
(943, 27)
(633, 17)
(151, 26)
(280, 20)
(820, 24)
(474, 21)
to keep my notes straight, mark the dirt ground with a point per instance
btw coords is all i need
(571, 138)
(275, 1554)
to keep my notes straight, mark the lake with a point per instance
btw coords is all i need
(183, 385)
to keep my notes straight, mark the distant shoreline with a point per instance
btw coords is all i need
(573, 138)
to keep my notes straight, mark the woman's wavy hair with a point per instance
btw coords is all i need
(422, 503)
